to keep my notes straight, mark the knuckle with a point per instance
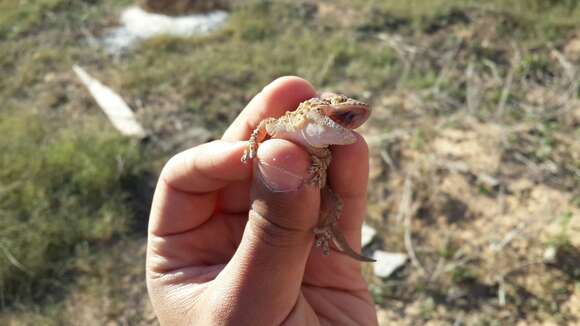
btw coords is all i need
(274, 234)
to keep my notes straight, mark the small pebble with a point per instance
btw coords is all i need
(550, 255)
(387, 262)
(368, 234)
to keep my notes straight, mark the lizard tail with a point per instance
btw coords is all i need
(342, 245)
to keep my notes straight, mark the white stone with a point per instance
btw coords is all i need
(387, 262)
(145, 24)
(138, 24)
(550, 255)
(368, 233)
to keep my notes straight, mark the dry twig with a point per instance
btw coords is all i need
(515, 62)
(501, 279)
(13, 259)
(406, 211)
(473, 91)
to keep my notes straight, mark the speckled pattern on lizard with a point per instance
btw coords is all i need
(316, 124)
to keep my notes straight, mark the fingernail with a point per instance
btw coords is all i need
(277, 179)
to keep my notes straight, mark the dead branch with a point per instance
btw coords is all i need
(515, 232)
(473, 92)
(114, 107)
(501, 279)
(12, 260)
(448, 61)
(387, 158)
(406, 211)
(515, 62)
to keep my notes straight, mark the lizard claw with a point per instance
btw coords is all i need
(248, 156)
(323, 236)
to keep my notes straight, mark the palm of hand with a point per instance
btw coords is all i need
(196, 270)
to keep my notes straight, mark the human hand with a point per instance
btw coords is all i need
(224, 249)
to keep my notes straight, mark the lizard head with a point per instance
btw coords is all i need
(330, 120)
(345, 111)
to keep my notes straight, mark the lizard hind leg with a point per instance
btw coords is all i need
(331, 210)
(327, 233)
(257, 136)
(323, 236)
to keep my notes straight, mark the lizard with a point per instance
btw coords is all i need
(316, 124)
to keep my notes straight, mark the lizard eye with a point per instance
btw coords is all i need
(333, 98)
(338, 99)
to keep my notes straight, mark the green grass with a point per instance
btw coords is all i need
(263, 41)
(18, 17)
(531, 17)
(62, 186)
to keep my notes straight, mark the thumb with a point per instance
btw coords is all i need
(269, 264)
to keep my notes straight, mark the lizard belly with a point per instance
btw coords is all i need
(318, 136)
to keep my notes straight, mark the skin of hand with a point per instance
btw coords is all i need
(232, 244)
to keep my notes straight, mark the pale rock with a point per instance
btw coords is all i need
(550, 255)
(146, 25)
(138, 25)
(368, 233)
(387, 262)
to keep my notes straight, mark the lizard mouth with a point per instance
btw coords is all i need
(327, 133)
(349, 116)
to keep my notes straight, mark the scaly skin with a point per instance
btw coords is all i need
(316, 124)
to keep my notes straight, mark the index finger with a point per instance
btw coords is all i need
(206, 168)
(348, 178)
(185, 195)
(281, 95)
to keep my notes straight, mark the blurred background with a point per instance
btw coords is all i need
(474, 137)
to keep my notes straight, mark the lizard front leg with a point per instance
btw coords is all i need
(258, 135)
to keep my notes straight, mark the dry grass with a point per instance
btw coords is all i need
(488, 154)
